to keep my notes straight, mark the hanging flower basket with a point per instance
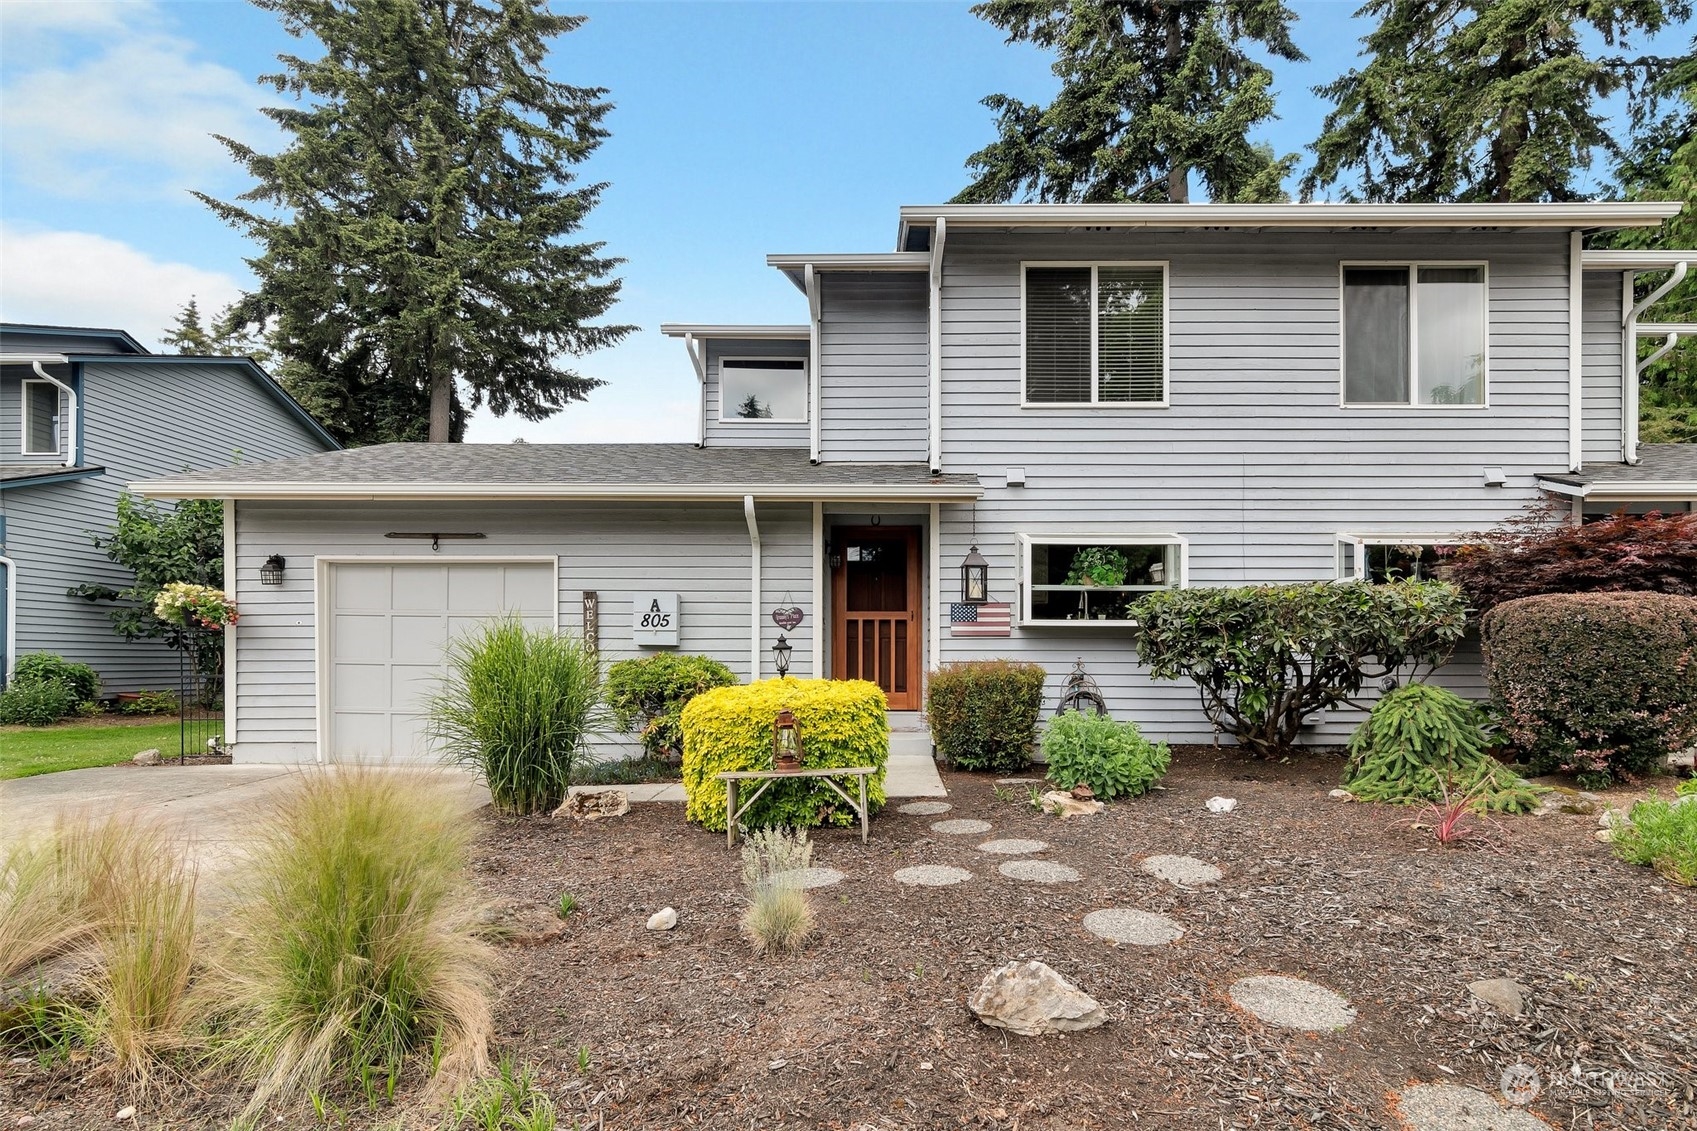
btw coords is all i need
(188, 605)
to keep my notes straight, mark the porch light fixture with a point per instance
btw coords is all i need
(974, 579)
(436, 538)
(781, 655)
(271, 573)
(786, 744)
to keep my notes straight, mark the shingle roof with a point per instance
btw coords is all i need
(1657, 463)
(600, 470)
(32, 474)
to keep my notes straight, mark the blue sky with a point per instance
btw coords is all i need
(740, 129)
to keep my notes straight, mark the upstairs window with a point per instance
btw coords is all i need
(1414, 334)
(1096, 334)
(766, 390)
(41, 418)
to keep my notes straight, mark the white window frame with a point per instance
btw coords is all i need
(1413, 266)
(24, 418)
(1022, 568)
(805, 385)
(1095, 400)
(1360, 542)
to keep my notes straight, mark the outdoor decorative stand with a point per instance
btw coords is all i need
(1080, 693)
(786, 763)
(200, 692)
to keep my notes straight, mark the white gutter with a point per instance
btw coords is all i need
(810, 283)
(1648, 259)
(1575, 351)
(11, 568)
(1629, 369)
(706, 330)
(754, 589)
(934, 342)
(1615, 491)
(373, 492)
(698, 358)
(71, 396)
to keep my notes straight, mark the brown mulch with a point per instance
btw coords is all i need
(867, 1030)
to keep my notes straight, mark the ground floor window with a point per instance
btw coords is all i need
(1095, 578)
(1379, 558)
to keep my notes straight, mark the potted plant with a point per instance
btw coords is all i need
(1097, 565)
(190, 606)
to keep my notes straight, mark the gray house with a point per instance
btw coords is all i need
(1196, 394)
(84, 413)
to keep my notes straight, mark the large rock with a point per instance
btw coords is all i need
(1062, 804)
(588, 806)
(1031, 999)
(149, 757)
(1502, 994)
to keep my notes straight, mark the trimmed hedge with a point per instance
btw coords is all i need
(983, 713)
(1598, 684)
(841, 723)
(651, 693)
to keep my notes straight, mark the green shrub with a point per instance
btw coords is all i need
(516, 707)
(45, 667)
(1622, 553)
(1424, 743)
(1661, 834)
(1112, 758)
(350, 944)
(841, 723)
(151, 703)
(36, 704)
(652, 692)
(983, 713)
(1603, 685)
(1265, 658)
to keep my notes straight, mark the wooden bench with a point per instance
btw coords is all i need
(767, 777)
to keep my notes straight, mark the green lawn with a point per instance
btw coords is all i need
(26, 751)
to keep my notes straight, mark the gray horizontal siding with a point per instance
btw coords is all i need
(754, 433)
(1602, 374)
(873, 368)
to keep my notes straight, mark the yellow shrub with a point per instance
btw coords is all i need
(841, 723)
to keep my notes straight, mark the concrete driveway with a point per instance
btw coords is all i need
(210, 805)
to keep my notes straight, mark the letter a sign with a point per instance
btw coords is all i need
(654, 620)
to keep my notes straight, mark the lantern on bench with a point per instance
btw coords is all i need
(786, 744)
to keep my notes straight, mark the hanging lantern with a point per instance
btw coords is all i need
(781, 655)
(786, 744)
(271, 572)
(974, 579)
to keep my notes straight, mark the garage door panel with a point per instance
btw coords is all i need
(360, 686)
(529, 590)
(412, 685)
(409, 738)
(417, 637)
(476, 589)
(362, 736)
(420, 587)
(361, 587)
(360, 636)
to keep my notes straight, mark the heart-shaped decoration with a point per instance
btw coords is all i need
(787, 618)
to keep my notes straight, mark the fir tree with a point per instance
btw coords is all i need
(417, 230)
(189, 335)
(1151, 92)
(752, 409)
(1478, 100)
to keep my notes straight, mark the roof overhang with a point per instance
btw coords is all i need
(51, 475)
(742, 333)
(1649, 259)
(1619, 491)
(32, 358)
(518, 492)
(794, 265)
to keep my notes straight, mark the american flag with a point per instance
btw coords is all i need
(981, 620)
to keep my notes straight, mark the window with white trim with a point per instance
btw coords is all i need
(1095, 333)
(1090, 579)
(1414, 334)
(41, 418)
(765, 390)
(1379, 558)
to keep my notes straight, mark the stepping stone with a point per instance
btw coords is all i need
(814, 877)
(1039, 872)
(932, 875)
(1184, 871)
(1291, 1003)
(1450, 1107)
(924, 808)
(1013, 846)
(1018, 781)
(961, 827)
(1138, 928)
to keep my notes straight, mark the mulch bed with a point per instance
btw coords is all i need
(867, 1030)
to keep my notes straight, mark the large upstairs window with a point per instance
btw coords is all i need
(766, 390)
(1414, 334)
(1095, 334)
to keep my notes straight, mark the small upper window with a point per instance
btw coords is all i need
(768, 389)
(1379, 558)
(1096, 334)
(41, 418)
(1414, 334)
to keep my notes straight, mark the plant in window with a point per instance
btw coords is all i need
(1098, 565)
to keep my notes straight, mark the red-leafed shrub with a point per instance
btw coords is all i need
(1655, 553)
(1599, 684)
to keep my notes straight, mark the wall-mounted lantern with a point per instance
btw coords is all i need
(781, 655)
(786, 744)
(271, 573)
(974, 579)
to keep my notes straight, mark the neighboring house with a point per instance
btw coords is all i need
(1224, 394)
(84, 413)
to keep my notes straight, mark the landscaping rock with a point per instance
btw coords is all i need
(1039, 872)
(1013, 846)
(149, 757)
(1449, 1107)
(931, 876)
(924, 808)
(1502, 994)
(1291, 1003)
(961, 827)
(663, 920)
(1341, 795)
(1183, 871)
(1562, 799)
(1221, 804)
(1018, 781)
(815, 877)
(65, 977)
(592, 806)
(1029, 998)
(1061, 804)
(126, 1113)
(521, 923)
(1137, 928)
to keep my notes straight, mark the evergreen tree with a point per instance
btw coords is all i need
(417, 228)
(189, 335)
(1478, 100)
(752, 409)
(1151, 92)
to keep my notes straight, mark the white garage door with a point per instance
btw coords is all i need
(388, 627)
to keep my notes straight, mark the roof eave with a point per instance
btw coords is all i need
(1648, 259)
(743, 333)
(655, 492)
(1617, 491)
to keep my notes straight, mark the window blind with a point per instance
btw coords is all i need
(1129, 331)
(1057, 334)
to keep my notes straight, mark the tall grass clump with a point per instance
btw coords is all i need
(779, 917)
(350, 942)
(516, 707)
(1660, 834)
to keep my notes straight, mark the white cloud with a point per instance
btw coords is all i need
(82, 279)
(615, 414)
(99, 101)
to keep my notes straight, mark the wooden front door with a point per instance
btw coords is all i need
(876, 631)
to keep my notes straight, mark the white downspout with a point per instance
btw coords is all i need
(230, 548)
(1630, 366)
(71, 395)
(698, 359)
(811, 281)
(934, 336)
(754, 589)
(1666, 348)
(11, 568)
(1628, 375)
(1575, 351)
